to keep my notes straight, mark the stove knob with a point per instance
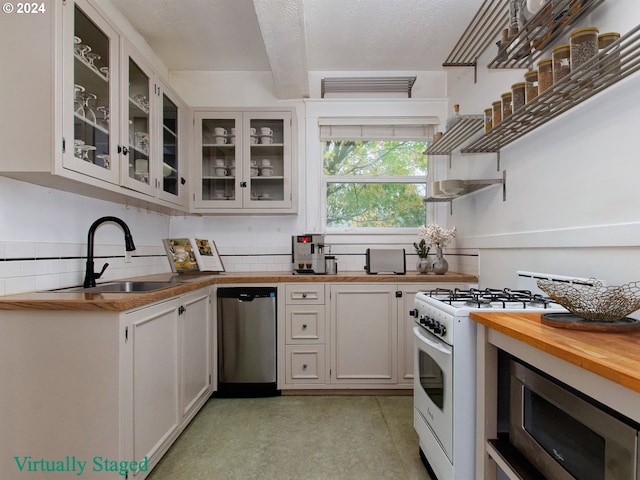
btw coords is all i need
(413, 313)
(423, 321)
(431, 323)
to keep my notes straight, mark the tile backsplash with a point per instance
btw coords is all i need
(34, 266)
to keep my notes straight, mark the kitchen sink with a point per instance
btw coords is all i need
(125, 286)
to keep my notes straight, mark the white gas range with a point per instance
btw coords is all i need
(445, 367)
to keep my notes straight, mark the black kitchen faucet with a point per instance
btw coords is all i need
(90, 276)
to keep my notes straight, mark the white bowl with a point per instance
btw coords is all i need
(451, 187)
(266, 171)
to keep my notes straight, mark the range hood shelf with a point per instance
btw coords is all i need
(609, 66)
(459, 133)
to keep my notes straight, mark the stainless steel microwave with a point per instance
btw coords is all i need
(566, 436)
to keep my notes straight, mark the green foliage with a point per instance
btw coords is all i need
(383, 203)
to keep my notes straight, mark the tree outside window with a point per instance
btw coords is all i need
(375, 184)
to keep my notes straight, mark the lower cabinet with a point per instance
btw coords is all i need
(346, 335)
(364, 334)
(105, 388)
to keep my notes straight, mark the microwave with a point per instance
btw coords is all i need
(566, 435)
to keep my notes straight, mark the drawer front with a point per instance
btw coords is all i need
(305, 294)
(305, 324)
(305, 364)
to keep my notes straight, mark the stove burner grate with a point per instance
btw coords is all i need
(492, 298)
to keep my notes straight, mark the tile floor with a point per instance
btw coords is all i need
(298, 437)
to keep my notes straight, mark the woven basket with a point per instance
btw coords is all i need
(594, 302)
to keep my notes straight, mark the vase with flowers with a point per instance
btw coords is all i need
(422, 249)
(435, 235)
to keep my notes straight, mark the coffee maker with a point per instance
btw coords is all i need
(307, 252)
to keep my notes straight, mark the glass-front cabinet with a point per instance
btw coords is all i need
(138, 104)
(243, 161)
(126, 121)
(90, 145)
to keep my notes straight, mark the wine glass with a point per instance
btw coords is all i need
(78, 101)
(81, 50)
(91, 58)
(85, 149)
(89, 114)
(105, 160)
(104, 121)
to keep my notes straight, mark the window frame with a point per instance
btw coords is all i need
(402, 179)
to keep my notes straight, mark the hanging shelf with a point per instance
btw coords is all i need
(609, 66)
(485, 27)
(461, 131)
(550, 23)
(471, 186)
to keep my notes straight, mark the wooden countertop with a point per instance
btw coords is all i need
(79, 301)
(614, 356)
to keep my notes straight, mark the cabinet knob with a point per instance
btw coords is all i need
(243, 184)
(304, 295)
(304, 326)
(304, 366)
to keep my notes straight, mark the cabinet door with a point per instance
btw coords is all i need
(90, 93)
(364, 334)
(218, 167)
(267, 139)
(195, 339)
(153, 337)
(138, 104)
(171, 171)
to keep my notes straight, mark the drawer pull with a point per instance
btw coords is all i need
(304, 295)
(304, 366)
(304, 326)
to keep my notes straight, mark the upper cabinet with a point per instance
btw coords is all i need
(243, 162)
(94, 118)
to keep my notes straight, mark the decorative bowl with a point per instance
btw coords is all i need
(593, 301)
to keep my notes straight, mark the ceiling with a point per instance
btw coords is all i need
(292, 37)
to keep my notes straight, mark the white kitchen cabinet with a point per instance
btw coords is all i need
(152, 132)
(364, 332)
(194, 324)
(70, 81)
(153, 340)
(116, 385)
(243, 162)
(305, 335)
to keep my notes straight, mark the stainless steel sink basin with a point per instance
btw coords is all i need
(129, 286)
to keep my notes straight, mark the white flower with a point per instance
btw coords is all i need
(434, 234)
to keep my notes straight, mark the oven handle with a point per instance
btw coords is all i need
(438, 346)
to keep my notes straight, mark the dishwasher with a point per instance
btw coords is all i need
(246, 342)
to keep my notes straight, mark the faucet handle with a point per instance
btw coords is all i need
(98, 275)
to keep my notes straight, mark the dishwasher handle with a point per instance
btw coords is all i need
(246, 297)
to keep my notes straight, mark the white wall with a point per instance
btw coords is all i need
(43, 235)
(259, 243)
(572, 206)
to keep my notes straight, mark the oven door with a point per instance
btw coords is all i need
(433, 386)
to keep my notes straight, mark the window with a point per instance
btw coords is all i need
(374, 176)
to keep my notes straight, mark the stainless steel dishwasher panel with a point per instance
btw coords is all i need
(246, 339)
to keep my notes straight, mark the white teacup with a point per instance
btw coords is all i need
(253, 140)
(266, 171)
(220, 131)
(218, 194)
(254, 172)
(233, 130)
(265, 162)
(266, 131)
(219, 162)
(265, 139)
(220, 172)
(252, 131)
(220, 140)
